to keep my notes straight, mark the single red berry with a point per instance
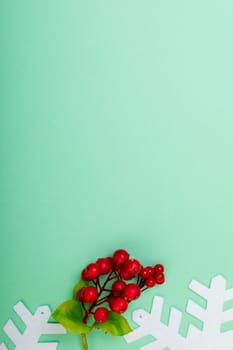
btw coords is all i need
(133, 267)
(101, 314)
(90, 294)
(91, 272)
(80, 294)
(150, 271)
(159, 277)
(120, 256)
(159, 268)
(118, 287)
(85, 276)
(104, 265)
(124, 274)
(132, 291)
(150, 282)
(118, 304)
(144, 273)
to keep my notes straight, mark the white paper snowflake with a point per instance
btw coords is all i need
(167, 336)
(36, 325)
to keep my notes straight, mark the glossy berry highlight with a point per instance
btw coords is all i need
(159, 268)
(132, 267)
(90, 294)
(118, 287)
(132, 291)
(159, 277)
(120, 256)
(118, 304)
(124, 274)
(101, 314)
(91, 272)
(104, 265)
(150, 282)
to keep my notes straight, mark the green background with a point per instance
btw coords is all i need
(116, 132)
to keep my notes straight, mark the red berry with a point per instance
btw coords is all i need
(101, 314)
(159, 277)
(144, 273)
(120, 256)
(118, 287)
(84, 275)
(159, 268)
(132, 291)
(150, 271)
(133, 267)
(125, 275)
(80, 294)
(91, 272)
(150, 282)
(90, 294)
(118, 304)
(104, 265)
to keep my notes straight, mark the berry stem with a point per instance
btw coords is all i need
(109, 278)
(98, 283)
(101, 301)
(117, 275)
(84, 341)
(84, 307)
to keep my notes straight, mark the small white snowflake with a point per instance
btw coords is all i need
(36, 325)
(212, 317)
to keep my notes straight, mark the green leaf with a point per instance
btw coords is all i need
(70, 315)
(115, 325)
(78, 286)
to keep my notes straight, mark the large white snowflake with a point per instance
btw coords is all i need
(167, 336)
(36, 325)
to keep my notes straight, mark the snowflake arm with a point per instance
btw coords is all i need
(150, 324)
(12, 332)
(36, 325)
(213, 316)
(23, 312)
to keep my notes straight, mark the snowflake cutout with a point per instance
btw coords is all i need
(36, 325)
(168, 336)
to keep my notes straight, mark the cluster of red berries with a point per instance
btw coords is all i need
(114, 290)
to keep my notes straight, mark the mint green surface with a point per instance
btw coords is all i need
(116, 132)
